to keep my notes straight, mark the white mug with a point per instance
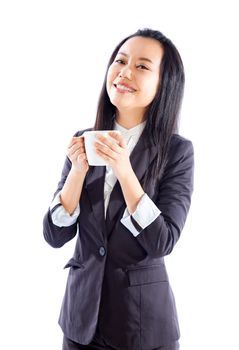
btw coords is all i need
(90, 138)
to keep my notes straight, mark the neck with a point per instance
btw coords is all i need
(128, 120)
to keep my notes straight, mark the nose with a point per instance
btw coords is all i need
(126, 72)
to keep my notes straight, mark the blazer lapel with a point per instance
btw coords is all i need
(94, 184)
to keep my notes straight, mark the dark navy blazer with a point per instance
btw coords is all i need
(116, 281)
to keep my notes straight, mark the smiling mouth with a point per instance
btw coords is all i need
(124, 88)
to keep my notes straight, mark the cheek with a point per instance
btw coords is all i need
(109, 79)
(152, 88)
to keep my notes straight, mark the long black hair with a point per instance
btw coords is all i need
(162, 114)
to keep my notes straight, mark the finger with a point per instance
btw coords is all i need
(103, 155)
(75, 148)
(78, 157)
(79, 141)
(76, 139)
(109, 143)
(81, 157)
(119, 138)
(105, 151)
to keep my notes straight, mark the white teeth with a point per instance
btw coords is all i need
(122, 87)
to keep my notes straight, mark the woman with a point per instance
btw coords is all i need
(128, 215)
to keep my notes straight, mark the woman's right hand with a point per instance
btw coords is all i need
(77, 155)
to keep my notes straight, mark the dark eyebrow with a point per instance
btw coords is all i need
(140, 58)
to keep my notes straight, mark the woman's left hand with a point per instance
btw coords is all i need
(115, 153)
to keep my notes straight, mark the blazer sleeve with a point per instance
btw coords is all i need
(57, 236)
(173, 198)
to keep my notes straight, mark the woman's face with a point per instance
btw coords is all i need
(133, 77)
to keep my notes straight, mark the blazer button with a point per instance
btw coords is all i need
(102, 251)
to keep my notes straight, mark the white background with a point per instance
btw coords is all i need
(53, 59)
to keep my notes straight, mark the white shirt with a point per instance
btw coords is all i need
(146, 211)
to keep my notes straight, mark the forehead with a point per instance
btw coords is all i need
(143, 47)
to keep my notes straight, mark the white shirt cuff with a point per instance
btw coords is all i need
(145, 213)
(60, 217)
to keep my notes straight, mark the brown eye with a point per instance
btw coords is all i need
(119, 61)
(141, 66)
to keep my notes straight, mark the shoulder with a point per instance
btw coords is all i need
(181, 150)
(178, 140)
(180, 144)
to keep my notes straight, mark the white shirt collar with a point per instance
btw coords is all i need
(134, 132)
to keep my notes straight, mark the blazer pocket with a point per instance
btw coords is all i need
(147, 275)
(75, 264)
